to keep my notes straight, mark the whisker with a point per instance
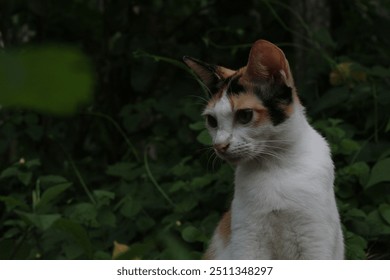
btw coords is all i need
(210, 158)
(215, 159)
(201, 98)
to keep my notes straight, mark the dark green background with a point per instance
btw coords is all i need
(101, 138)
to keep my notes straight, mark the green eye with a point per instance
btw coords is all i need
(211, 121)
(244, 116)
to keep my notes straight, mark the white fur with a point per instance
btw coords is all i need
(284, 205)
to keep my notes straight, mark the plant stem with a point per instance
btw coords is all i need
(78, 174)
(375, 97)
(153, 180)
(119, 129)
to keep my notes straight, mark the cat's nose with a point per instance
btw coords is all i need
(222, 147)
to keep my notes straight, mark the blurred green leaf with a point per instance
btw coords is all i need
(197, 126)
(192, 234)
(52, 193)
(384, 210)
(379, 173)
(12, 203)
(106, 218)
(204, 138)
(84, 213)
(52, 180)
(25, 177)
(130, 207)
(41, 221)
(355, 246)
(77, 233)
(125, 170)
(145, 223)
(47, 79)
(103, 197)
(11, 171)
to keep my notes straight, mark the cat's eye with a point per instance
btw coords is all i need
(244, 116)
(211, 121)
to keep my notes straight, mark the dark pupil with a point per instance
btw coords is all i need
(244, 116)
(212, 121)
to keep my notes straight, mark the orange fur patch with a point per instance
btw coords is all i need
(250, 101)
(209, 255)
(224, 227)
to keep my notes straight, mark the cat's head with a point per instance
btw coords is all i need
(248, 108)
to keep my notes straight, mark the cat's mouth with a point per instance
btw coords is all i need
(230, 157)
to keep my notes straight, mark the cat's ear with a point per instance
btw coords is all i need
(267, 62)
(210, 74)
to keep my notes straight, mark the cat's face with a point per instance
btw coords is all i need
(249, 107)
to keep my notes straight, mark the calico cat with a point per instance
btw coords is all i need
(284, 205)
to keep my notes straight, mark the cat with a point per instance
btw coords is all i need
(284, 204)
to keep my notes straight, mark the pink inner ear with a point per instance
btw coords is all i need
(265, 61)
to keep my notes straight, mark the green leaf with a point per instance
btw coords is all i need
(355, 246)
(204, 138)
(33, 163)
(106, 218)
(84, 213)
(380, 173)
(24, 177)
(377, 224)
(361, 170)
(130, 207)
(191, 234)
(200, 182)
(175, 249)
(145, 223)
(125, 170)
(77, 233)
(356, 214)
(197, 126)
(348, 146)
(52, 180)
(384, 210)
(41, 221)
(178, 186)
(186, 205)
(72, 251)
(11, 171)
(52, 193)
(46, 79)
(103, 197)
(12, 203)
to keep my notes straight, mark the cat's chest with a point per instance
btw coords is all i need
(267, 234)
(263, 191)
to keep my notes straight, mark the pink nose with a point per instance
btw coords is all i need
(222, 148)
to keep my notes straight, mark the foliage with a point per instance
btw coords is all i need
(133, 166)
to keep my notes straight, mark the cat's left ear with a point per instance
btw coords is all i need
(210, 74)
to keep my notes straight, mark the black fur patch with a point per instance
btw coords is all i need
(273, 99)
(210, 77)
(234, 86)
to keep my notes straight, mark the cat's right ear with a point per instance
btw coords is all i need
(209, 74)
